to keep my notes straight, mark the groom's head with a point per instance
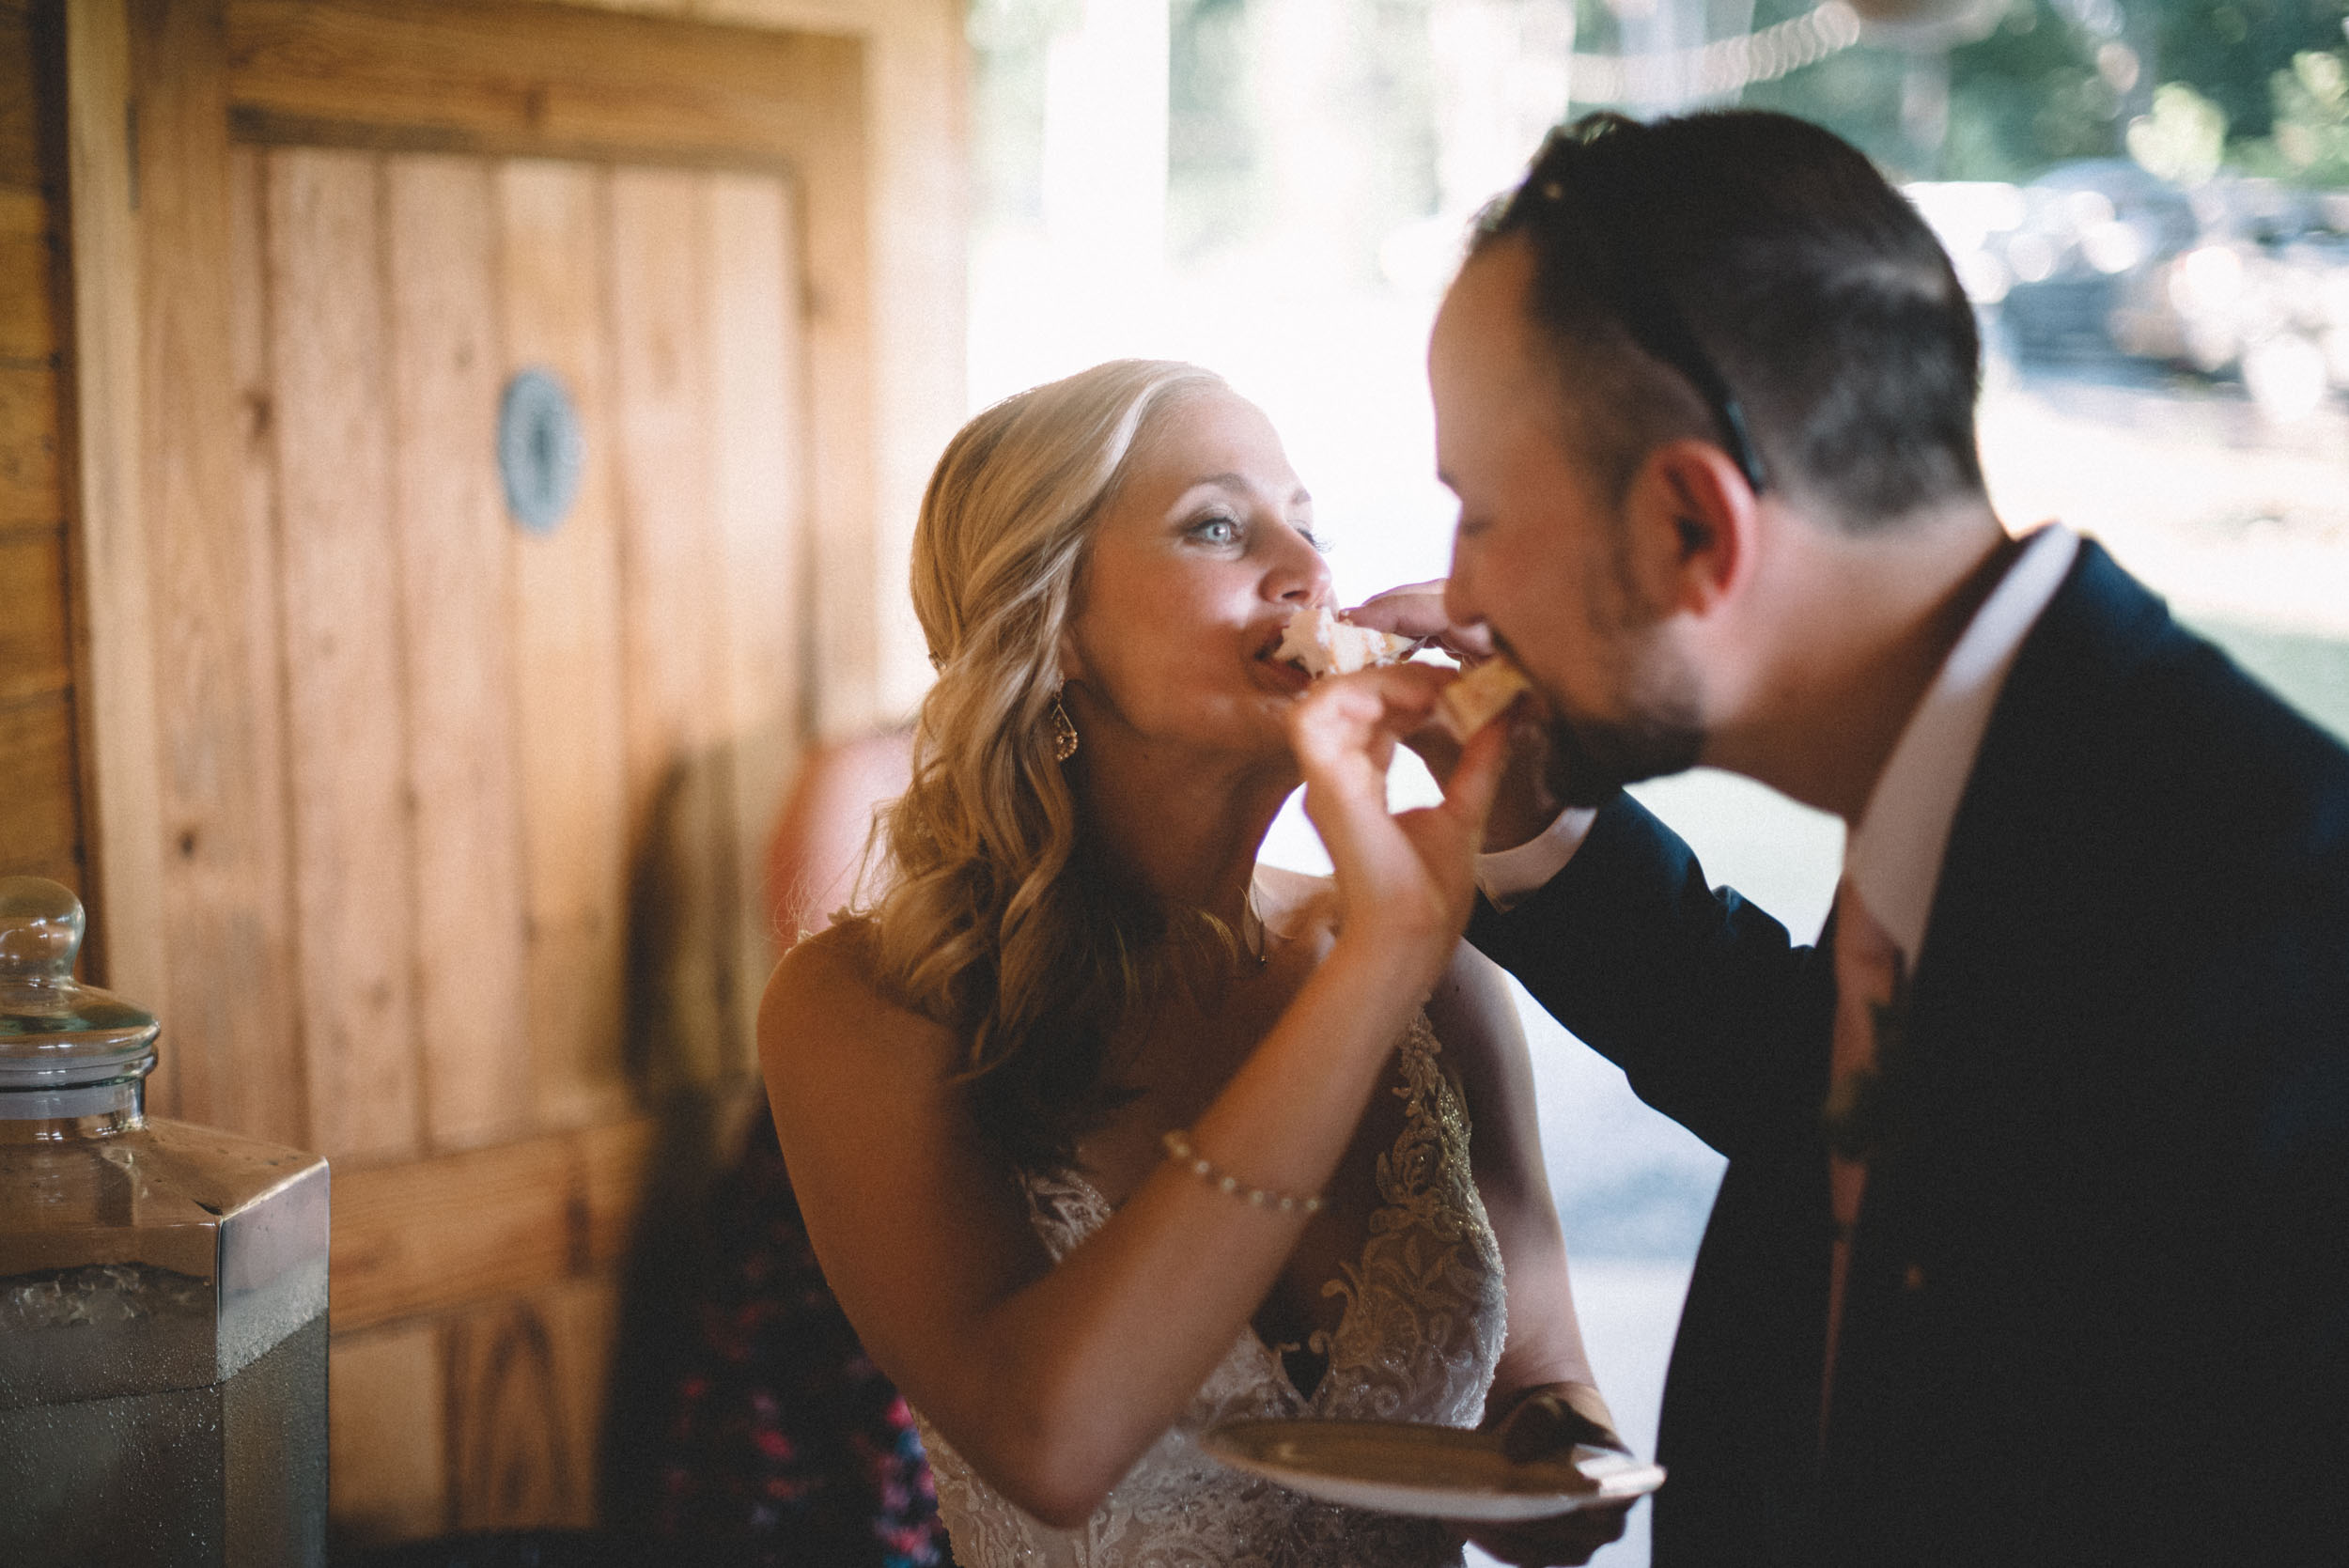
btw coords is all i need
(1669, 343)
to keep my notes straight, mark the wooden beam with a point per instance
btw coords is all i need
(674, 625)
(532, 80)
(567, 721)
(522, 1384)
(346, 735)
(20, 100)
(28, 446)
(760, 489)
(35, 658)
(115, 659)
(487, 1415)
(455, 582)
(387, 1434)
(430, 1235)
(28, 324)
(234, 1059)
(37, 829)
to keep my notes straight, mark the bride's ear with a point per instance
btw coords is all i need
(1072, 667)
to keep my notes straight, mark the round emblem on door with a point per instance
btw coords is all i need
(539, 449)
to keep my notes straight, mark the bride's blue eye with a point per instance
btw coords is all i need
(1218, 529)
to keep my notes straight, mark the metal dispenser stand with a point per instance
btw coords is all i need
(162, 1293)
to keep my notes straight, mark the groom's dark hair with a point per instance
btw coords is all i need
(1752, 278)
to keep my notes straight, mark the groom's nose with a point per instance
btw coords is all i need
(1470, 634)
(1460, 604)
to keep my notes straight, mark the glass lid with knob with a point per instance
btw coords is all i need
(65, 1048)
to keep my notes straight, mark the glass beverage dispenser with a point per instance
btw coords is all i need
(162, 1293)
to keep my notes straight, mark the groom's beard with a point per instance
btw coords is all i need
(1590, 759)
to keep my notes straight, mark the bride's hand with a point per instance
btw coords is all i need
(1404, 876)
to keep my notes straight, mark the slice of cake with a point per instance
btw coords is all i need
(1326, 645)
(1479, 696)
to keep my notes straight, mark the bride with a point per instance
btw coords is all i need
(1105, 1134)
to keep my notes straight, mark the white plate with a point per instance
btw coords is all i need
(1436, 1472)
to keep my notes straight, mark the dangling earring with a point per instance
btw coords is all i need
(1064, 732)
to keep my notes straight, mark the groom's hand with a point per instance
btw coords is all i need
(1416, 610)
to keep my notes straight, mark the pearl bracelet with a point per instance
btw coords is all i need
(1178, 1148)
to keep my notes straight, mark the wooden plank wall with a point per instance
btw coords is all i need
(40, 825)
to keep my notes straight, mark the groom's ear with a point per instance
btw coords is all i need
(1692, 520)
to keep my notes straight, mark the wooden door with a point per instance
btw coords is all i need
(527, 775)
(519, 763)
(441, 859)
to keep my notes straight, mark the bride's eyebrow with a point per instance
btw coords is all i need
(1232, 482)
(1238, 485)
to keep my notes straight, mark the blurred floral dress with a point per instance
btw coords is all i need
(787, 1445)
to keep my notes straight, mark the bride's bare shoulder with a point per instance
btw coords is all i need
(826, 995)
(845, 954)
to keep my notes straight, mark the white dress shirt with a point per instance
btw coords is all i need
(1894, 854)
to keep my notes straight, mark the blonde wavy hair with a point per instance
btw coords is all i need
(994, 915)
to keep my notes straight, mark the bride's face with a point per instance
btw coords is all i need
(1189, 577)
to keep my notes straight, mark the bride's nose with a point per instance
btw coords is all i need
(1297, 575)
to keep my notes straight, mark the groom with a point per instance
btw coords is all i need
(2032, 1245)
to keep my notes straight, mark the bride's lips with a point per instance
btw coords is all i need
(1290, 676)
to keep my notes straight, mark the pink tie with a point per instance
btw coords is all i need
(1867, 980)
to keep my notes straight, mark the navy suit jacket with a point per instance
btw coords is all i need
(2099, 1300)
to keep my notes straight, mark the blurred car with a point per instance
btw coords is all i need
(2087, 228)
(2271, 306)
(2102, 260)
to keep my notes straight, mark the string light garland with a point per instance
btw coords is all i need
(1721, 67)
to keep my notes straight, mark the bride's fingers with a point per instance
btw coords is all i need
(1348, 718)
(1475, 779)
(1413, 869)
(1437, 747)
(1344, 731)
(1469, 793)
(1447, 836)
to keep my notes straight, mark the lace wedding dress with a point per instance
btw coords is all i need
(1423, 1326)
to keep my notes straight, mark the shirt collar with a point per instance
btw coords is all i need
(1894, 858)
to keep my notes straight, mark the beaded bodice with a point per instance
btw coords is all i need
(1423, 1320)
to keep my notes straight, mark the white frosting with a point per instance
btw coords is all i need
(1326, 645)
